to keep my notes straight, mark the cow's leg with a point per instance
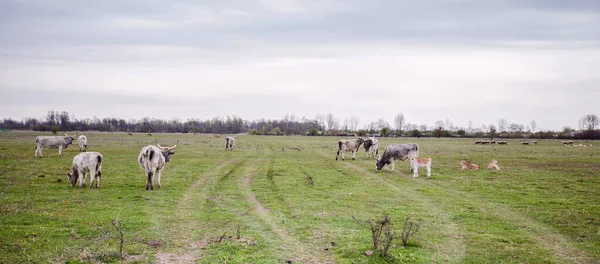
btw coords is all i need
(416, 172)
(158, 172)
(98, 175)
(428, 171)
(82, 177)
(60, 150)
(149, 181)
(338, 153)
(38, 149)
(392, 164)
(92, 178)
(353, 154)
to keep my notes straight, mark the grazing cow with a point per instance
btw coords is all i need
(152, 160)
(525, 142)
(493, 165)
(568, 142)
(82, 140)
(149, 135)
(477, 142)
(493, 142)
(130, 134)
(371, 146)
(502, 142)
(396, 152)
(229, 142)
(84, 163)
(415, 163)
(532, 142)
(349, 145)
(470, 166)
(53, 142)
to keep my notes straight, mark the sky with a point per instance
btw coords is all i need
(457, 60)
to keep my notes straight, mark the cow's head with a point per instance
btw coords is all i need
(167, 151)
(380, 163)
(73, 178)
(69, 139)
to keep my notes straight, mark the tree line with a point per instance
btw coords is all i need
(322, 124)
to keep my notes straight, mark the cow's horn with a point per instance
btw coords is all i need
(175, 145)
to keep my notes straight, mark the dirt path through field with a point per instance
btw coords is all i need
(295, 250)
(185, 222)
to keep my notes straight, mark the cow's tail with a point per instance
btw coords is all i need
(98, 163)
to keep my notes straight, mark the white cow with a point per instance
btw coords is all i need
(82, 140)
(52, 142)
(152, 160)
(84, 163)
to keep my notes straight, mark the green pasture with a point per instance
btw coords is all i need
(287, 200)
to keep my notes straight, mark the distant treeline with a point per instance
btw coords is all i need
(290, 125)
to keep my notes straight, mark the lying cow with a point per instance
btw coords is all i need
(84, 163)
(371, 146)
(396, 152)
(53, 142)
(349, 145)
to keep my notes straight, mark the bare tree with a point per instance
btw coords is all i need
(52, 118)
(492, 129)
(448, 124)
(346, 124)
(381, 124)
(502, 123)
(399, 122)
(331, 121)
(321, 120)
(589, 122)
(533, 126)
(470, 128)
(514, 127)
(354, 121)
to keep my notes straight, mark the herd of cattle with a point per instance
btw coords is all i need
(152, 159)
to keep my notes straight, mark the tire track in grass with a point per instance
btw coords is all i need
(560, 246)
(186, 221)
(453, 250)
(296, 250)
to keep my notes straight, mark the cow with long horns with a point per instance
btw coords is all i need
(152, 160)
(52, 142)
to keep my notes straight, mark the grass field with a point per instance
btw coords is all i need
(280, 199)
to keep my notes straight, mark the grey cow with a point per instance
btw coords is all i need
(349, 145)
(371, 147)
(84, 163)
(82, 140)
(229, 143)
(152, 160)
(53, 142)
(396, 152)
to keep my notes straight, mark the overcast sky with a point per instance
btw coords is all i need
(464, 60)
